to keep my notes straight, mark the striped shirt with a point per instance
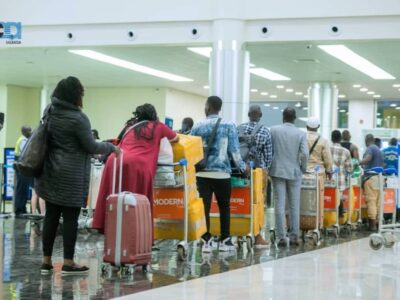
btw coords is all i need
(342, 160)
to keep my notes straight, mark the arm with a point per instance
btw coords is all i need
(303, 153)
(327, 158)
(367, 158)
(355, 153)
(348, 164)
(234, 149)
(168, 133)
(88, 143)
(268, 156)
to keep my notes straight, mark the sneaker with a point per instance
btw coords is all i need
(207, 246)
(226, 245)
(260, 243)
(74, 270)
(282, 243)
(46, 269)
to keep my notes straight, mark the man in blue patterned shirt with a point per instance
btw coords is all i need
(259, 139)
(216, 177)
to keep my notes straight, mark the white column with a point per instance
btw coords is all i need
(3, 108)
(44, 99)
(229, 69)
(322, 103)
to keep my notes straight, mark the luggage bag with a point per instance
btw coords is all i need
(128, 229)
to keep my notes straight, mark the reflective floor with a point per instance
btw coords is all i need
(20, 259)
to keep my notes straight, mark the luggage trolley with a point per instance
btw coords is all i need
(171, 205)
(331, 205)
(388, 186)
(247, 209)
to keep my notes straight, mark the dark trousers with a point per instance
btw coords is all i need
(70, 228)
(222, 190)
(22, 193)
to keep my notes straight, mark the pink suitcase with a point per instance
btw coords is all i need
(128, 230)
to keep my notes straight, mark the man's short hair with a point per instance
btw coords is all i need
(393, 142)
(336, 136)
(346, 135)
(369, 138)
(215, 103)
(289, 114)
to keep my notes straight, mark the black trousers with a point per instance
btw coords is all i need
(222, 190)
(22, 192)
(70, 228)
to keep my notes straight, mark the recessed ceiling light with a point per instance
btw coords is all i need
(267, 104)
(298, 104)
(363, 90)
(305, 96)
(371, 93)
(398, 107)
(396, 85)
(356, 85)
(204, 51)
(275, 107)
(264, 93)
(129, 65)
(264, 73)
(342, 110)
(254, 90)
(356, 61)
(299, 93)
(206, 87)
(289, 90)
(280, 86)
(377, 96)
(378, 114)
(342, 96)
(273, 96)
(393, 105)
(252, 65)
(305, 108)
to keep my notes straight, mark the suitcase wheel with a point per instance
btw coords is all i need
(106, 270)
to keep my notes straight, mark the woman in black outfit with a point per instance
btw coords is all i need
(64, 182)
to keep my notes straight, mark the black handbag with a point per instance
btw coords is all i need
(201, 165)
(31, 160)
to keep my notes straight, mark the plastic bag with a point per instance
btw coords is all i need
(165, 175)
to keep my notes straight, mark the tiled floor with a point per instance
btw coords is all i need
(20, 258)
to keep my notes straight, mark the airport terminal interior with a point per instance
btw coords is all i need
(337, 63)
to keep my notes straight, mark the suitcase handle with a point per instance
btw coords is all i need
(121, 160)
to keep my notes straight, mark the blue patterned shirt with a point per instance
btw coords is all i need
(226, 142)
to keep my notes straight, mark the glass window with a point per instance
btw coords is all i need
(388, 114)
(343, 114)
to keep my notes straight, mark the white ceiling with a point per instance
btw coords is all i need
(36, 67)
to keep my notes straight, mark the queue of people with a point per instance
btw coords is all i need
(284, 152)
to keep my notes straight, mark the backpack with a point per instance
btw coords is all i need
(248, 147)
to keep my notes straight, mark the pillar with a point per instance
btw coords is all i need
(322, 103)
(229, 69)
(3, 108)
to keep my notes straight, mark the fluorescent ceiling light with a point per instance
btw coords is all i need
(393, 105)
(280, 86)
(276, 107)
(377, 96)
(299, 93)
(305, 96)
(204, 51)
(262, 72)
(267, 105)
(342, 110)
(264, 93)
(254, 90)
(273, 96)
(251, 65)
(206, 87)
(356, 61)
(128, 65)
(305, 108)
(371, 93)
(289, 90)
(356, 85)
(342, 96)
(298, 104)
(363, 90)
(396, 85)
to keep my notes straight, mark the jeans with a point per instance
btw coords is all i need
(70, 228)
(222, 190)
(22, 193)
(290, 189)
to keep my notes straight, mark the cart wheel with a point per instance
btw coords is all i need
(315, 238)
(106, 270)
(181, 253)
(249, 243)
(145, 268)
(272, 236)
(376, 241)
(335, 232)
(389, 240)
